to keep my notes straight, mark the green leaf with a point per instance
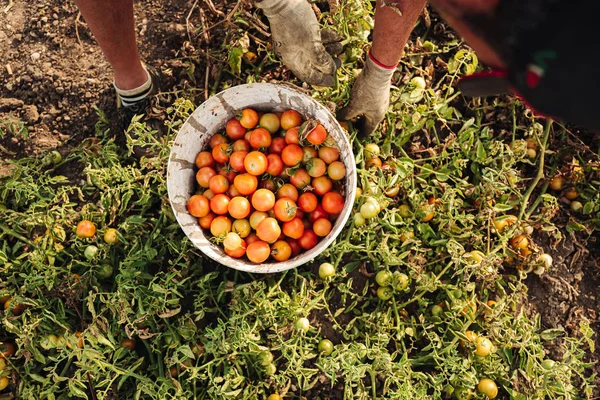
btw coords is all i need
(573, 226)
(234, 59)
(551, 334)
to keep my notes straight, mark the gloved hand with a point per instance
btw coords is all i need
(298, 40)
(370, 95)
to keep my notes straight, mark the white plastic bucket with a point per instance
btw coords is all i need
(210, 118)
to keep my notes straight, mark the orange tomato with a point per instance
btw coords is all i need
(220, 226)
(268, 230)
(322, 227)
(85, 229)
(217, 184)
(290, 119)
(287, 190)
(292, 155)
(258, 251)
(239, 252)
(198, 206)
(293, 228)
(207, 220)
(255, 163)
(220, 153)
(285, 209)
(260, 138)
(329, 154)
(263, 200)
(307, 202)
(219, 204)
(274, 165)
(300, 179)
(291, 136)
(317, 135)
(321, 185)
(239, 207)
(204, 159)
(246, 184)
(281, 250)
(234, 129)
(203, 176)
(249, 118)
(236, 160)
(216, 140)
(333, 202)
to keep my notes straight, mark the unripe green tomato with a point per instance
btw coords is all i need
(325, 347)
(359, 220)
(326, 270)
(90, 252)
(418, 82)
(400, 281)
(370, 209)
(270, 369)
(548, 364)
(302, 324)
(265, 358)
(105, 271)
(372, 150)
(385, 292)
(55, 157)
(404, 210)
(436, 310)
(383, 278)
(576, 206)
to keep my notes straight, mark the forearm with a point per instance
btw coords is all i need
(394, 22)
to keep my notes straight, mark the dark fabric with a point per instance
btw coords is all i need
(552, 49)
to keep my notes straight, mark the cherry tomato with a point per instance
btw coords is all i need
(232, 241)
(204, 159)
(249, 118)
(383, 278)
(519, 242)
(290, 119)
(292, 155)
(110, 236)
(4, 383)
(308, 153)
(285, 209)
(308, 240)
(557, 183)
(288, 190)
(265, 358)
(302, 324)
(291, 136)
(326, 270)
(218, 184)
(318, 212)
(239, 207)
(333, 202)
(488, 387)
(6, 349)
(295, 245)
(268, 230)
(85, 229)
(329, 154)
(322, 227)
(219, 204)
(372, 150)
(263, 200)
(216, 140)
(260, 138)
(373, 162)
(234, 129)
(251, 238)
(317, 135)
(240, 145)
(274, 396)
(294, 228)
(300, 179)
(385, 293)
(359, 220)
(427, 212)
(220, 153)
(325, 347)
(316, 167)
(407, 236)
(275, 165)
(277, 145)
(220, 226)
(207, 220)
(321, 185)
(128, 343)
(208, 194)
(246, 184)
(198, 206)
(236, 161)
(270, 122)
(203, 176)
(257, 217)
(228, 173)
(255, 163)
(268, 184)
(483, 346)
(336, 170)
(281, 251)
(369, 209)
(307, 202)
(258, 252)
(241, 227)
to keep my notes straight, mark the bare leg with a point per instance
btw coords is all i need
(392, 29)
(111, 22)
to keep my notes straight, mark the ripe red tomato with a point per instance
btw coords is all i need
(336, 170)
(322, 227)
(203, 176)
(258, 251)
(228, 173)
(246, 184)
(290, 119)
(294, 228)
(292, 155)
(288, 190)
(307, 202)
(275, 165)
(295, 245)
(220, 226)
(218, 184)
(234, 129)
(281, 250)
(216, 140)
(220, 153)
(236, 160)
(270, 122)
(277, 145)
(263, 200)
(329, 154)
(317, 135)
(268, 184)
(291, 136)
(285, 209)
(207, 220)
(219, 204)
(321, 185)
(300, 179)
(251, 238)
(239, 252)
(260, 138)
(241, 145)
(239, 207)
(316, 167)
(308, 240)
(85, 229)
(319, 212)
(256, 163)
(198, 206)
(333, 202)
(249, 118)
(204, 159)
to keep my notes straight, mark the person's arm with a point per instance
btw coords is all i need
(370, 96)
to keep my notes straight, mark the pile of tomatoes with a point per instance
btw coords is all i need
(269, 186)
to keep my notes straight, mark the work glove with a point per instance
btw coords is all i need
(298, 40)
(370, 95)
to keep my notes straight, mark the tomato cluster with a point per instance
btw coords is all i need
(269, 186)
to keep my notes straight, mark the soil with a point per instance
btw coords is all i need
(53, 76)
